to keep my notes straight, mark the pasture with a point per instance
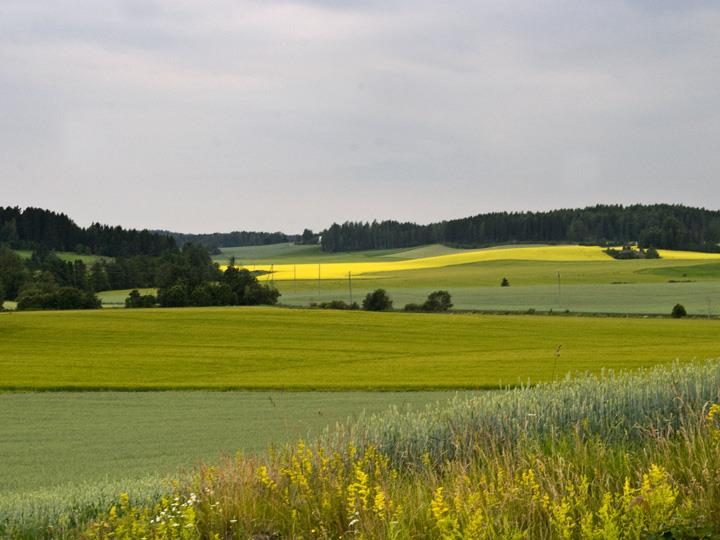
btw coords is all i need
(292, 349)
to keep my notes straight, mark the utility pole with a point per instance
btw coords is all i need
(559, 291)
(318, 283)
(350, 286)
(295, 278)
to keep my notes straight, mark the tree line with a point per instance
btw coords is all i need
(660, 226)
(33, 228)
(214, 241)
(183, 277)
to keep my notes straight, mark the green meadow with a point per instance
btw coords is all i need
(299, 349)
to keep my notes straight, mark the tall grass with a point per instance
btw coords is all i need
(621, 408)
(64, 510)
(617, 455)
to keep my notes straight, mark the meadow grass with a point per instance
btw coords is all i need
(265, 348)
(628, 455)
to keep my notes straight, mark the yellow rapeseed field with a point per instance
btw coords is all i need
(341, 270)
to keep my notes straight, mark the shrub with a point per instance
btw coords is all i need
(504, 282)
(137, 300)
(678, 312)
(413, 307)
(61, 298)
(377, 300)
(337, 304)
(174, 296)
(438, 301)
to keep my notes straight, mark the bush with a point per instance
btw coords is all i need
(504, 282)
(678, 312)
(174, 296)
(61, 298)
(337, 304)
(437, 301)
(377, 300)
(136, 300)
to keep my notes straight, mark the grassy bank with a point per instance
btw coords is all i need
(263, 348)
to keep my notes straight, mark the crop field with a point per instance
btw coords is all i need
(369, 263)
(58, 438)
(576, 278)
(263, 348)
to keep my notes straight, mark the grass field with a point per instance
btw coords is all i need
(57, 438)
(251, 348)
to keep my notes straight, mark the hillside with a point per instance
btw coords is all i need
(659, 225)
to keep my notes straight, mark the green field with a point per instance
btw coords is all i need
(58, 438)
(262, 348)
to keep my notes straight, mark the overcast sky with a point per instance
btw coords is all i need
(202, 116)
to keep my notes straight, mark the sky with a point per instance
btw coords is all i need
(220, 115)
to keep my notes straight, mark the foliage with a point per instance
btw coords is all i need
(337, 304)
(13, 272)
(54, 297)
(31, 228)
(629, 252)
(678, 311)
(660, 226)
(137, 300)
(436, 302)
(236, 238)
(505, 282)
(378, 300)
(631, 472)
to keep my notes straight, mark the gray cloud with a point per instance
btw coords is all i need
(201, 116)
